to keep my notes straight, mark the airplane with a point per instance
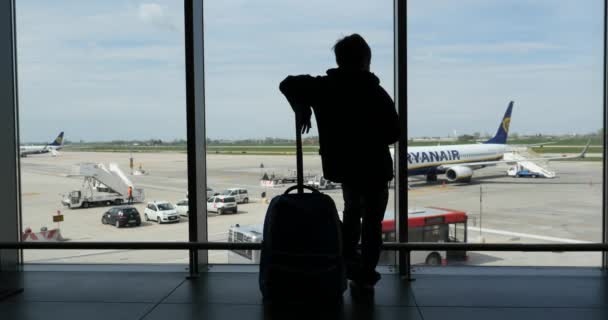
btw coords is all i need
(458, 162)
(52, 147)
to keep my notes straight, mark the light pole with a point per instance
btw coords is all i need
(131, 158)
(481, 239)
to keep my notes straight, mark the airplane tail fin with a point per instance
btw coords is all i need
(58, 141)
(503, 128)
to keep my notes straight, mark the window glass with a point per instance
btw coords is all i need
(101, 108)
(165, 206)
(256, 151)
(502, 99)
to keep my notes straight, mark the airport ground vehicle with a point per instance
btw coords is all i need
(429, 224)
(121, 216)
(182, 207)
(248, 234)
(527, 173)
(101, 186)
(161, 211)
(240, 194)
(319, 182)
(274, 180)
(222, 204)
(521, 172)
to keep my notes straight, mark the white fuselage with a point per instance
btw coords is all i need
(421, 160)
(25, 150)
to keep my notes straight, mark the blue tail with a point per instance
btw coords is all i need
(503, 128)
(58, 141)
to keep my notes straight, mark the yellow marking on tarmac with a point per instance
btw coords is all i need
(30, 194)
(425, 190)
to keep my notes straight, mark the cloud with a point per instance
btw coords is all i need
(514, 47)
(113, 61)
(155, 14)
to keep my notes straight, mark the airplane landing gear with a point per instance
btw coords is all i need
(431, 177)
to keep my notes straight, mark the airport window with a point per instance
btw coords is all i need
(515, 89)
(476, 172)
(249, 50)
(102, 124)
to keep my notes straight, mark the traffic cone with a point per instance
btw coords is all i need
(443, 184)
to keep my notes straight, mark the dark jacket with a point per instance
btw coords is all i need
(356, 121)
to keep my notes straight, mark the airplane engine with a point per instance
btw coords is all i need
(459, 173)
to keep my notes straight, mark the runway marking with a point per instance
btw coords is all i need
(162, 188)
(241, 185)
(527, 235)
(30, 194)
(423, 190)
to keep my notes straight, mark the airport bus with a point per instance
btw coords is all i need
(247, 234)
(428, 224)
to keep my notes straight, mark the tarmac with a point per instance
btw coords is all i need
(566, 209)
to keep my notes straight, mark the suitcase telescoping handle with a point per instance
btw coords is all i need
(299, 156)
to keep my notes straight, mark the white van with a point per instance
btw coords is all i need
(222, 204)
(240, 194)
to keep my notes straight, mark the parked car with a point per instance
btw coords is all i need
(527, 174)
(239, 194)
(161, 211)
(222, 204)
(121, 216)
(182, 207)
(519, 172)
(319, 182)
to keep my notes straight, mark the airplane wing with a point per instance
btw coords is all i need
(533, 145)
(490, 163)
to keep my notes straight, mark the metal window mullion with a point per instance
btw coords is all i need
(604, 161)
(195, 105)
(9, 161)
(400, 32)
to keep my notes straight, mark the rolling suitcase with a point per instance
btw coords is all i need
(301, 258)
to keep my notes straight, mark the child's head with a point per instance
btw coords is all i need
(352, 52)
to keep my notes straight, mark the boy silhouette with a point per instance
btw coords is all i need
(357, 123)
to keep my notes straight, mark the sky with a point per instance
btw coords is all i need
(108, 70)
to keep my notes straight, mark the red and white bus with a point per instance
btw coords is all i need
(429, 224)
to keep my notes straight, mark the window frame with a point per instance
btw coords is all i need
(196, 142)
(401, 103)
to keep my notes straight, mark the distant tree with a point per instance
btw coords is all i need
(466, 137)
(477, 135)
(155, 142)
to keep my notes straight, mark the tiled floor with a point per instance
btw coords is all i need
(470, 293)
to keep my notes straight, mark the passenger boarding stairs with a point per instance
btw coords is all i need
(520, 155)
(111, 177)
